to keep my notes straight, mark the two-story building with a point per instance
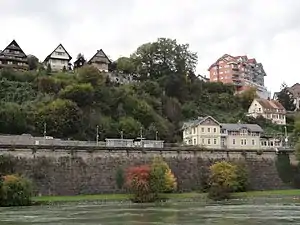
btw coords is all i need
(209, 133)
(269, 109)
(205, 132)
(240, 136)
(59, 59)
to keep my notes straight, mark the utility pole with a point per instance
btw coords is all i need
(97, 135)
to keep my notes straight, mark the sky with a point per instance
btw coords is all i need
(268, 30)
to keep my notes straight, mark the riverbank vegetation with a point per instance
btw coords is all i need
(15, 191)
(147, 182)
(165, 93)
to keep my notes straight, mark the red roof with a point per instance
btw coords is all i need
(270, 104)
(253, 60)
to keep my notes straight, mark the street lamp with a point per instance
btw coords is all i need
(141, 132)
(45, 130)
(97, 135)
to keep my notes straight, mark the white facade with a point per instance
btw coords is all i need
(269, 109)
(208, 133)
(58, 59)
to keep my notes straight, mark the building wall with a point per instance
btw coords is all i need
(73, 173)
(100, 66)
(256, 110)
(243, 142)
(58, 64)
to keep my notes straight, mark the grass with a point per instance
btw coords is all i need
(173, 196)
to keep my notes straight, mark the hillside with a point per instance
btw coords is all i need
(72, 105)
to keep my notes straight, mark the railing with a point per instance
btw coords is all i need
(141, 149)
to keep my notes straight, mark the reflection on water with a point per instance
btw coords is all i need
(250, 212)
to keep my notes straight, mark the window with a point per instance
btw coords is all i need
(195, 141)
(215, 141)
(9, 62)
(203, 141)
(208, 141)
(208, 130)
(233, 141)
(215, 130)
(194, 130)
(202, 129)
(253, 142)
(59, 53)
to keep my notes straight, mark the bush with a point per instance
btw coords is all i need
(15, 191)
(120, 178)
(147, 182)
(223, 180)
(162, 180)
(138, 183)
(242, 178)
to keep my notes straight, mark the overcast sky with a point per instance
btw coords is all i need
(268, 30)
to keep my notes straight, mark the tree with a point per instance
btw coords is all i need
(247, 97)
(12, 119)
(82, 94)
(49, 69)
(61, 116)
(130, 127)
(80, 55)
(33, 62)
(125, 65)
(163, 57)
(285, 97)
(90, 74)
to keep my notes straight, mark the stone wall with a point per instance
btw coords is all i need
(82, 172)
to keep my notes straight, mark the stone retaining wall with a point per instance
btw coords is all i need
(81, 172)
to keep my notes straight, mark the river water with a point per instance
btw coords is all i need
(244, 212)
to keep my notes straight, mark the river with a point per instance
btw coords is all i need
(245, 212)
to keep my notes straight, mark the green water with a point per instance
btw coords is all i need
(250, 212)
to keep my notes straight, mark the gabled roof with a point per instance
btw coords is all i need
(99, 51)
(270, 104)
(198, 121)
(60, 45)
(239, 126)
(13, 43)
(80, 58)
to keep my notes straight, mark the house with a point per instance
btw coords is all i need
(59, 59)
(204, 131)
(209, 133)
(269, 109)
(80, 61)
(100, 61)
(13, 57)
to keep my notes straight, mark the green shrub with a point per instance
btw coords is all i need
(162, 180)
(284, 168)
(223, 180)
(120, 178)
(242, 178)
(15, 191)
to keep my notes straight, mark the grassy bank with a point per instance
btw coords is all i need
(192, 195)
